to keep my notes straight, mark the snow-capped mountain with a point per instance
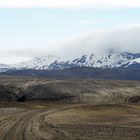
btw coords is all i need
(4, 67)
(110, 59)
(107, 60)
(36, 63)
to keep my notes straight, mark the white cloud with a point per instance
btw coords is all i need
(69, 3)
(122, 39)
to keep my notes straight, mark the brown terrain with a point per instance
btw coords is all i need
(80, 109)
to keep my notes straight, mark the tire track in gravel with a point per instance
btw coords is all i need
(26, 125)
(18, 127)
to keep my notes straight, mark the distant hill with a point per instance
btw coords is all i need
(81, 72)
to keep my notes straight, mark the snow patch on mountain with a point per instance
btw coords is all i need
(110, 59)
(4, 67)
(36, 63)
(106, 60)
(135, 61)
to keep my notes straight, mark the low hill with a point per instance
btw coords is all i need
(74, 90)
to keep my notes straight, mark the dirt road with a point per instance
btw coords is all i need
(28, 125)
(18, 126)
(54, 121)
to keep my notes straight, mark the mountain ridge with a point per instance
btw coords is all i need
(110, 59)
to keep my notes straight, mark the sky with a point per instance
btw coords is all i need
(37, 28)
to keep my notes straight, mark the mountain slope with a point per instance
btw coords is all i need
(36, 63)
(107, 60)
(110, 59)
(4, 67)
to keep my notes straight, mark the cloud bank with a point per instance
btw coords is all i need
(124, 39)
(70, 3)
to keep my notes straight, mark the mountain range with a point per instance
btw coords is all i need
(110, 59)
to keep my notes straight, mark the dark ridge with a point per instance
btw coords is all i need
(82, 72)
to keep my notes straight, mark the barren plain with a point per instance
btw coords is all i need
(68, 109)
